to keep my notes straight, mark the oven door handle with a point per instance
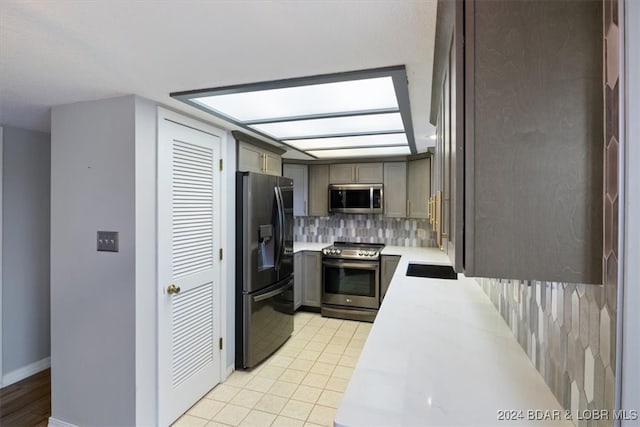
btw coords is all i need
(362, 265)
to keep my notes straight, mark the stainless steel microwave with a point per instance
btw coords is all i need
(356, 198)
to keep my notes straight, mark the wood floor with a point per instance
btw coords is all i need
(28, 402)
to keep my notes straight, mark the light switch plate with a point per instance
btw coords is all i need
(108, 241)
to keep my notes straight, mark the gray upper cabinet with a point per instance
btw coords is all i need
(525, 90)
(341, 173)
(255, 155)
(250, 158)
(351, 173)
(369, 173)
(273, 163)
(312, 278)
(418, 187)
(299, 174)
(318, 190)
(395, 189)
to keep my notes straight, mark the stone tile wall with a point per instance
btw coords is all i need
(364, 228)
(569, 333)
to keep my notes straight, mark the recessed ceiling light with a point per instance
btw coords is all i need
(361, 152)
(338, 97)
(357, 110)
(373, 123)
(349, 141)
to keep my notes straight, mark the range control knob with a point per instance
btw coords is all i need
(338, 251)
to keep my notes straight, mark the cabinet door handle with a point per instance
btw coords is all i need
(266, 163)
(408, 208)
(305, 208)
(353, 174)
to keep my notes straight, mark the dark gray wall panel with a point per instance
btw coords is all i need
(537, 184)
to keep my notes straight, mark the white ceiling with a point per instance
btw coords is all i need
(56, 52)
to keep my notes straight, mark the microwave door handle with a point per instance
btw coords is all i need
(359, 265)
(371, 197)
(280, 240)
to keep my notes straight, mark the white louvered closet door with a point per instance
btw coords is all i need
(189, 272)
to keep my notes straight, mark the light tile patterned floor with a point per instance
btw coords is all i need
(300, 385)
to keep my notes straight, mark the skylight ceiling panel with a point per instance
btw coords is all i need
(334, 126)
(347, 96)
(349, 141)
(361, 152)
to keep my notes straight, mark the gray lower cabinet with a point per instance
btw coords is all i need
(395, 190)
(418, 187)
(298, 278)
(318, 190)
(307, 279)
(388, 266)
(312, 278)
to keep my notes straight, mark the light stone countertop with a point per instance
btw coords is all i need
(419, 255)
(439, 354)
(308, 246)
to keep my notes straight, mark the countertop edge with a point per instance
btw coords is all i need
(522, 387)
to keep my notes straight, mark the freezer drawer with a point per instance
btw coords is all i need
(268, 322)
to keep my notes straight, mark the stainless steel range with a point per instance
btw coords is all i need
(351, 280)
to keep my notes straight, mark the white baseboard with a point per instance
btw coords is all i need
(26, 371)
(229, 371)
(59, 423)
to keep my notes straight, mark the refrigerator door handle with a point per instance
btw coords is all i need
(271, 294)
(280, 227)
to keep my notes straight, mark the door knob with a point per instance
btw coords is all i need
(173, 289)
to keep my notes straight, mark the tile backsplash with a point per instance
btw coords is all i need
(569, 333)
(364, 228)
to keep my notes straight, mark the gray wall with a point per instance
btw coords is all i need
(25, 248)
(93, 293)
(146, 304)
(631, 296)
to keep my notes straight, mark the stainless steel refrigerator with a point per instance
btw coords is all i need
(264, 265)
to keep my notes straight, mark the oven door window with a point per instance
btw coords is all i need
(350, 281)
